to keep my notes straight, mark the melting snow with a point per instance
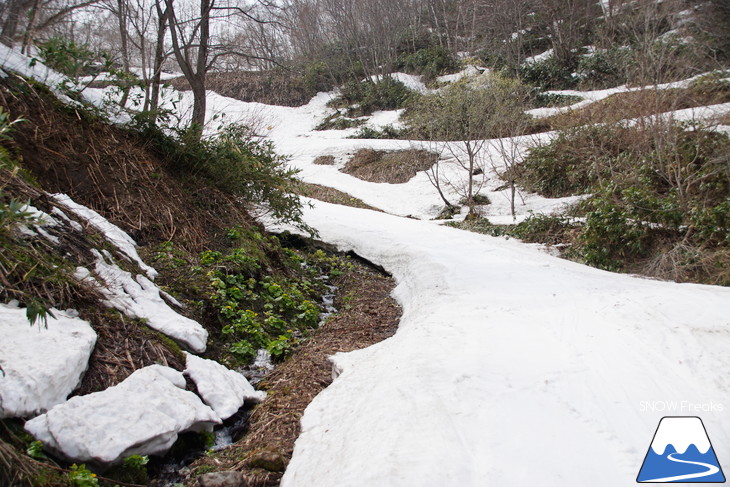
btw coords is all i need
(41, 365)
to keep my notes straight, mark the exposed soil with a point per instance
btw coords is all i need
(113, 172)
(367, 315)
(395, 167)
(332, 195)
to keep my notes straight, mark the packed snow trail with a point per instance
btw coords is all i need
(510, 367)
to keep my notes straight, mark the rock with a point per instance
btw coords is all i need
(221, 388)
(141, 416)
(40, 365)
(270, 460)
(222, 479)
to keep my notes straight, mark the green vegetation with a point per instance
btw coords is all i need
(237, 162)
(257, 310)
(365, 97)
(429, 62)
(659, 197)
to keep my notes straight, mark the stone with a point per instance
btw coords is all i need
(222, 479)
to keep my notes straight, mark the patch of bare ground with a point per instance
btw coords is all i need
(332, 195)
(324, 160)
(272, 87)
(395, 167)
(622, 106)
(367, 315)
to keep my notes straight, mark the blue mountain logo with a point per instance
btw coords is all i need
(681, 452)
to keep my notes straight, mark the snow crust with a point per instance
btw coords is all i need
(111, 232)
(221, 388)
(681, 432)
(509, 365)
(40, 365)
(141, 416)
(138, 297)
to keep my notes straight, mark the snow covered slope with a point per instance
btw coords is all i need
(510, 367)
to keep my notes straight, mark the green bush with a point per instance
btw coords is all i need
(367, 96)
(386, 132)
(68, 57)
(258, 310)
(548, 74)
(237, 162)
(605, 69)
(429, 62)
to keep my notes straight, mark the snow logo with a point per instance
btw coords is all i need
(681, 452)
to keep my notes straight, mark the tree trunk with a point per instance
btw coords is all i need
(16, 9)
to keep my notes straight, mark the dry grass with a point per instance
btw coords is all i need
(331, 195)
(367, 315)
(324, 160)
(394, 167)
(622, 106)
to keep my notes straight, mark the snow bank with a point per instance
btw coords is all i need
(510, 367)
(141, 298)
(12, 60)
(111, 232)
(221, 388)
(40, 365)
(141, 416)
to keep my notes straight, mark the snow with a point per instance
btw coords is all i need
(543, 56)
(138, 297)
(222, 389)
(111, 232)
(509, 365)
(41, 365)
(469, 71)
(593, 96)
(140, 416)
(412, 81)
(12, 60)
(681, 432)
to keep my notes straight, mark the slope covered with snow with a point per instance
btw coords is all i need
(510, 367)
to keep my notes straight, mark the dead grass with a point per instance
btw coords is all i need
(332, 195)
(324, 160)
(622, 106)
(394, 167)
(272, 87)
(113, 172)
(367, 315)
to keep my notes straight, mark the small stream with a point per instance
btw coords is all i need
(168, 470)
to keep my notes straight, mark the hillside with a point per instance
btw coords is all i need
(439, 242)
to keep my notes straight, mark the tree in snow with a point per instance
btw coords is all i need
(462, 117)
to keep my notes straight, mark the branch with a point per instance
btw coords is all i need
(64, 12)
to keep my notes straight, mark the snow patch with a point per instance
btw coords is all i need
(40, 365)
(141, 298)
(221, 388)
(140, 416)
(111, 232)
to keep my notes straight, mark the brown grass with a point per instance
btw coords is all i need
(332, 195)
(324, 160)
(273, 87)
(621, 106)
(395, 167)
(367, 315)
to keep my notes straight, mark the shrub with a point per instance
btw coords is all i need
(605, 69)
(237, 162)
(429, 62)
(548, 74)
(366, 97)
(67, 57)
